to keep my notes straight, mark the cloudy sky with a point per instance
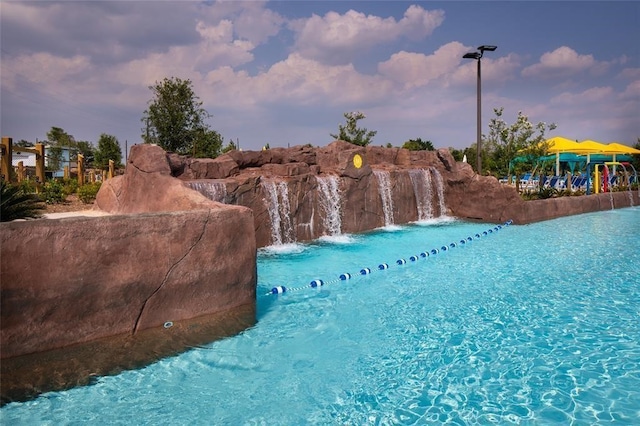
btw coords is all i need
(284, 72)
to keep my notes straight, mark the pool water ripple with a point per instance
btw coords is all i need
(534, 324)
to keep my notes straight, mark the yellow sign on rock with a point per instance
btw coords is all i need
(357, 161)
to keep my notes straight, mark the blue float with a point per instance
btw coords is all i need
(413, 258)
(345, 276)
(435, 251)
(316, 283)
(424, 254)
(278, 290)
(383, 266)
(401, 261)
(365, 271)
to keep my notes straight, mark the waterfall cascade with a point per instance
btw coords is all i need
(329, 200)
(279, 207)
(429, 192)
(384, 187)
(422, 188)
(439, 190)
(212, 189)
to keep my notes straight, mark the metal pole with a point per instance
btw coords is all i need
(479, 124)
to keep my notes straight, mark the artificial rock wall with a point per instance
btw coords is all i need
(166, 254)
(466, 195)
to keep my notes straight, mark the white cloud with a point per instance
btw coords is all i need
(416, 69)
(632, 91)
(563, 61)
(296, 80)
(336, 38)
(44, 69)
(256, 23)
(589, 96)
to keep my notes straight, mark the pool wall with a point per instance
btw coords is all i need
(73, 280)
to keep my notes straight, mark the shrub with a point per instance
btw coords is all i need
(87, 193)
(15, 203)
(545, 193)
(53, 192)
(69, 186)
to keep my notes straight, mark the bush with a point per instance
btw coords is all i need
(53, 192)
(28, 186)
(15, 203)
(69, 186)
(545, 193)
(87, 193)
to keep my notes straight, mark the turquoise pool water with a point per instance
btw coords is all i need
(533, 324)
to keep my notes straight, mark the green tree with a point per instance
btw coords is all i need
(418, 145)
(24, 144)
(521, 139)
(85, 148)
(175, 120)
(229, 147)
(350, 132)
(207, 144)
(108, 149)
(58, 140)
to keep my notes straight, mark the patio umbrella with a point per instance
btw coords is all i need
(615, 148)
(559, 144)
(618, 148)
(591, 147)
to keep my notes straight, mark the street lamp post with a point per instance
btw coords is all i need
(478, 56)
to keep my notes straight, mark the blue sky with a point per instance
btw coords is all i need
(284, 72)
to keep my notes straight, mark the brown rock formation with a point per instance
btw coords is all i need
(250, 175)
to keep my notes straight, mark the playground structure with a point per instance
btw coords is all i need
(18, 173)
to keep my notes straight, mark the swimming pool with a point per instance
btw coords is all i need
(532, 324)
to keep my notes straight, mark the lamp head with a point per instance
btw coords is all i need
(472, 55)
(487, 48)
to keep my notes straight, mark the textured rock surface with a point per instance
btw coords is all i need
(466, 194)
(170, 254)
(119, 274)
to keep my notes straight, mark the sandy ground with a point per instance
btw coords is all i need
(70, 208)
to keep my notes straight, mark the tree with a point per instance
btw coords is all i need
(520, 139)
(24, 144)
(418, 145)
(108, 149)
(351, 133)
(229, 147)
(175, 120)
(87, 150)
(207, 144)
(58, 139)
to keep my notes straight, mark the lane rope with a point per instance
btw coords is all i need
(316, 283)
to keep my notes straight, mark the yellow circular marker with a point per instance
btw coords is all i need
(357, 161)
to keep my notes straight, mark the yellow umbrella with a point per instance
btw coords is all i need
(559, 144)
(618, 148)
(590, 147)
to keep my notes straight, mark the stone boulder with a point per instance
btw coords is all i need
(148, 186)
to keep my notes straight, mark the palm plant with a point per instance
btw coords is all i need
(17, 204)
